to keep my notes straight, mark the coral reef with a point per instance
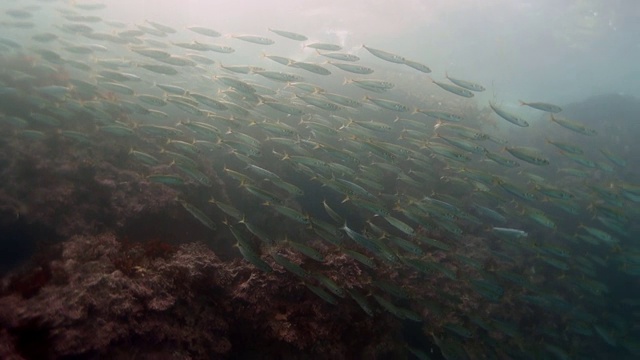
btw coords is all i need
(178, 302)
(102, 196)
(114, 267)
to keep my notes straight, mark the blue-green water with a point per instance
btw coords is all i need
(504, 232)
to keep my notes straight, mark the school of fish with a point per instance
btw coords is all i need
(330, 149)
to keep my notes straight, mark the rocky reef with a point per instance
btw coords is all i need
(113, 267)
(155, 300)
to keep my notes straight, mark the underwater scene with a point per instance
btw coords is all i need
(319, 179)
